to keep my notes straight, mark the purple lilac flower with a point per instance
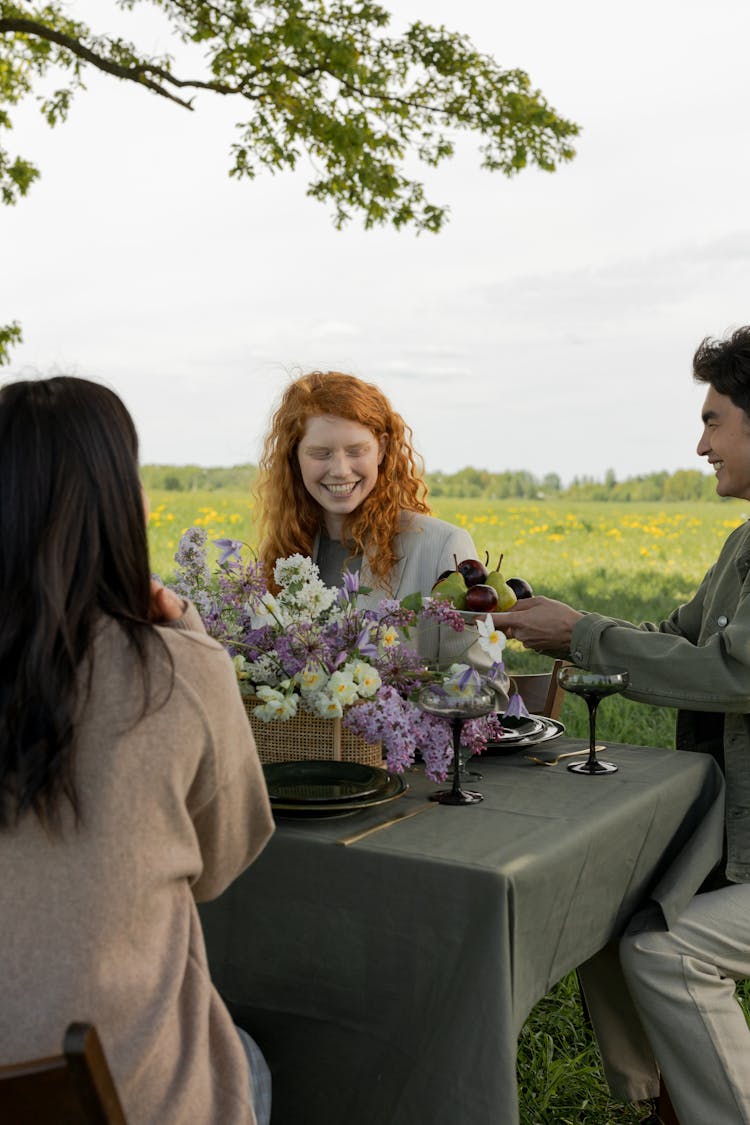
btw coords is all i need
(478, 732)
(403, 728)
(391, 612)
(444, 613)
(435, 745)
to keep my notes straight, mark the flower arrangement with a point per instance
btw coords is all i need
(313, 647)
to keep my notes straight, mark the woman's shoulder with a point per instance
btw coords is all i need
(197, 660)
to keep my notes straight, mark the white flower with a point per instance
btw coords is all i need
(264, 670)
(327, 707)
(241, 667)
(366, 678)
(307, 601)
(296, 568)
(342, 687)
(491, 639)
(390, 638)
(276, 706)
(267, 611)
(311, 679)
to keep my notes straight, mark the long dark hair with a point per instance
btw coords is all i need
(72, 546)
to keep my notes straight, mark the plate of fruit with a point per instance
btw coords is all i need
(474, 590)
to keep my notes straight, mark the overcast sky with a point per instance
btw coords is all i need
(550, 327)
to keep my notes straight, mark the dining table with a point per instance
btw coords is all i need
(387, 973)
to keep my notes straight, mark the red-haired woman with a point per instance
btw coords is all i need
(340, 482)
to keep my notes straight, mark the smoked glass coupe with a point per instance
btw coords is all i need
(593, 684)
(457, 709)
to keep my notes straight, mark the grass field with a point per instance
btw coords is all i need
(635, 562)
(631, 561)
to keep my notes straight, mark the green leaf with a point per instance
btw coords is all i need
(10, 334)
(413, 602)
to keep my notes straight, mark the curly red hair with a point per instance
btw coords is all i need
(290, 518)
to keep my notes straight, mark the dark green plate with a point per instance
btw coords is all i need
(323, 781)
(317, 811)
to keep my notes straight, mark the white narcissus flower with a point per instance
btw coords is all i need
(327, 707)
(276, 706)
(341, 686)
(390, 638)
(241, 667)
(491, 639)
(366, 678)
(311, 679)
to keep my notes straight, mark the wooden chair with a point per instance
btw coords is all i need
(540, 691)
(74, 1088)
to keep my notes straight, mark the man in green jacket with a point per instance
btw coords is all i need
(683, 979)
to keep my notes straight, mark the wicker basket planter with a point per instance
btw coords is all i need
(309, 736)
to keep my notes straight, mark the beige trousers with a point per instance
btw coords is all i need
(678, 995)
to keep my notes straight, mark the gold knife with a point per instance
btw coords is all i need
(357, 836)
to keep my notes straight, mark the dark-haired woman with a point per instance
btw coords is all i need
(129, 781)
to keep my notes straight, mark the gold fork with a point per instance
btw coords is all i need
(559, 758)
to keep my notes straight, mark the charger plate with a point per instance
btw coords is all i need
(317, 811)
(518, 729)
(550, 729)
(326, 781)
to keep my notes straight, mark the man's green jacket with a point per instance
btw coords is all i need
(698, 661)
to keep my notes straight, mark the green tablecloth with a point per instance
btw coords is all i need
(387, 981)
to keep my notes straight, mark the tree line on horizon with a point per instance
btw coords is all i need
(470, 483)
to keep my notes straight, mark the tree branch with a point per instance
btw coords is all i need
(138, 73)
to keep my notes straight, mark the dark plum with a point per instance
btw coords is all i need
(481, 598)
(520, 588)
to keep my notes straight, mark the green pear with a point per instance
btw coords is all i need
(452, 588)
(506, 597)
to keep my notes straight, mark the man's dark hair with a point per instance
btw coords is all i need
(725, 364)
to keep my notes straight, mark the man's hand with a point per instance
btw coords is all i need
(539, 623)
(165, 604)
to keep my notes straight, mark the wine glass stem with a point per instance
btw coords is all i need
(457, 726)
(592, 702)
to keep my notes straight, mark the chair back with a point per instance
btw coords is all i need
(74, 1088)
(541, 692)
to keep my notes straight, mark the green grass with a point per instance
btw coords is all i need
(560, 1078)
(632, 561)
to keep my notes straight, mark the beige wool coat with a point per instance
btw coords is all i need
(100, 923)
